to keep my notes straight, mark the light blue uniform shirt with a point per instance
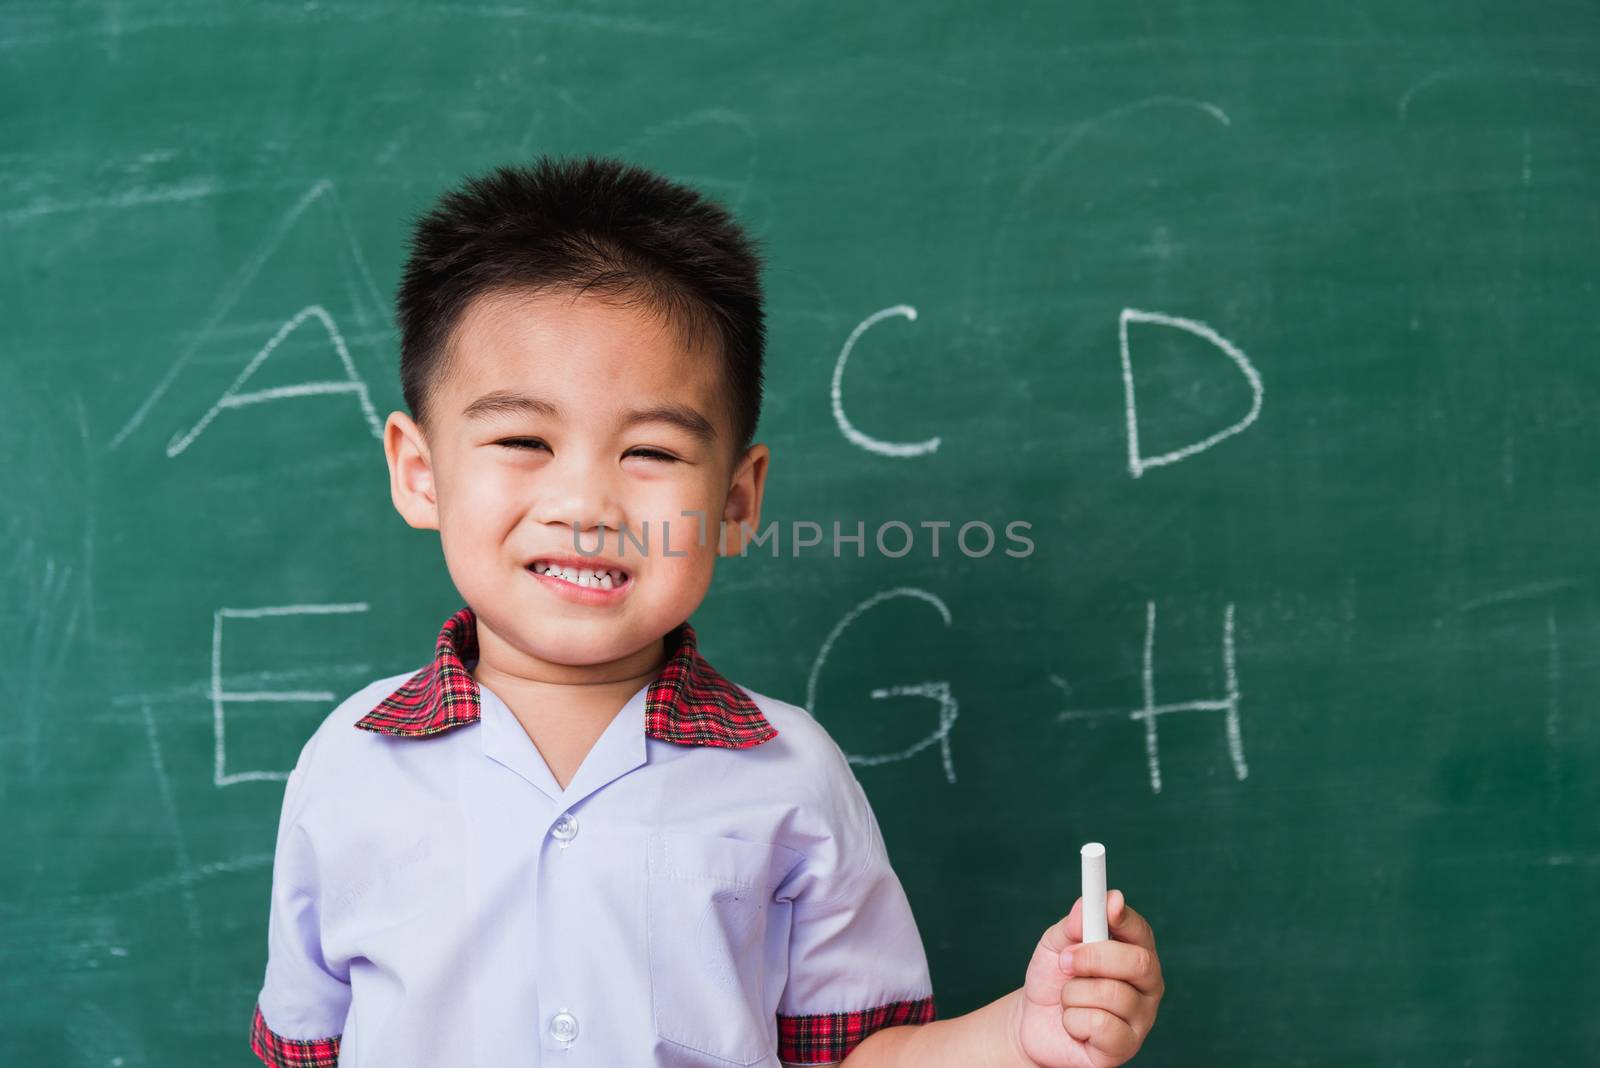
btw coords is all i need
(439, 900)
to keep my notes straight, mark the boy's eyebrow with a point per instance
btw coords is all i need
(510, 402)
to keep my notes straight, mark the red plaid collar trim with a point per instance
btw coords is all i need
(689, 702)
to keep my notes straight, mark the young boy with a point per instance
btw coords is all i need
(569, 840)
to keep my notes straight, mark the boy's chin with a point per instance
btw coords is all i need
(569, 639)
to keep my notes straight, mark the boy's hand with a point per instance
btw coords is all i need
(1095, 1011)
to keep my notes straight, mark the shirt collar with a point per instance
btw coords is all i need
(689, 702)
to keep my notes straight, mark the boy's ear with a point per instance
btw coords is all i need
(741, 518)
(411, 483)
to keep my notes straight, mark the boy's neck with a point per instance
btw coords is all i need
(573, 696)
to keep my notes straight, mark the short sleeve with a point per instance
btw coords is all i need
(300, 1012)
(856, 959)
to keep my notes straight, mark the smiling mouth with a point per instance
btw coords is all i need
(607, 578)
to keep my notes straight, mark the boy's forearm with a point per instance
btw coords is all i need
(983, 1038)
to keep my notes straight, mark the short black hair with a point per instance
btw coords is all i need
(585, 223)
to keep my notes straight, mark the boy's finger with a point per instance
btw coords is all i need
(1065, 931)
(1113, 995)
(1107, 1033)
(1072, 925)
(1126, 924)
(1119, 960)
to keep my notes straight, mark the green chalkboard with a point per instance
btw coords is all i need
(1276, 322)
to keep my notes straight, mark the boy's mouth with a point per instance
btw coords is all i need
(584, 576)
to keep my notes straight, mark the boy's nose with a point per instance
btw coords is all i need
(581, 499)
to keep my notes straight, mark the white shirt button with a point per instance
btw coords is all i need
(563, 1026)
(565, 827)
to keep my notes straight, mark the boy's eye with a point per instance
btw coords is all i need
(653, 454)
(535, 443)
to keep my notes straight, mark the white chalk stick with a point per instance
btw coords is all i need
(1094, 892)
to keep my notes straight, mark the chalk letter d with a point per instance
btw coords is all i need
(1138, 464)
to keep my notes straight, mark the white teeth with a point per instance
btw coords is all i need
(593, 578)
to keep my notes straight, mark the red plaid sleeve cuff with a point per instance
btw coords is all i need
(276, 1051)
(827, 1037)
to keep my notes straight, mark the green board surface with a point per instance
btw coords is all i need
(1324, 686)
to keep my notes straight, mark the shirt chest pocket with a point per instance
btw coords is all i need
(708, 912)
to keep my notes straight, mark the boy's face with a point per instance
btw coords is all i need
(505, 485)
